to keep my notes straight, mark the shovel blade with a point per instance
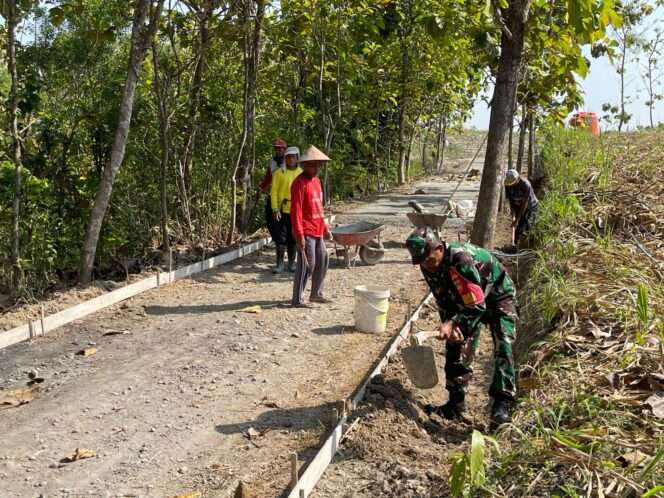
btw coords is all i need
(420, 364)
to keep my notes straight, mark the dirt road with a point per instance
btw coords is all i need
(189, 392)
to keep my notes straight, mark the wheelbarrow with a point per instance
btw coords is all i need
(364, 237)
(435, 221)
(422, 218)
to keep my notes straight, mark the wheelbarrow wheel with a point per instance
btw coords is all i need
(372, 253)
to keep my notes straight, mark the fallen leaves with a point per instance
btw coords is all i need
(116, 332)
(193, 494)
(16, 397)
(87, 352)
(79, 454)
(253, 433)
(656, 403)
(633, 458)
(252, 309)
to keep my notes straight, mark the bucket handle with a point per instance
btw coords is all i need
(376, 309)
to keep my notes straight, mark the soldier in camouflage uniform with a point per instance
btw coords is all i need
(471, 288)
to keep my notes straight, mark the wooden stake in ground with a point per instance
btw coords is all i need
(293, 469)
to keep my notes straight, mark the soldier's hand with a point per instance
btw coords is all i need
(277, 216)
(450, 332)
(445, 330)
(456, 336)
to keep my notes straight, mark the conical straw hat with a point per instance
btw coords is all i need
(313, 154)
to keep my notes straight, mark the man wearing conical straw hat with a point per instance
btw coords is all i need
(309, 229)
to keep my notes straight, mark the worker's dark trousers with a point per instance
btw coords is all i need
(272, 225)
(284, 236)
(526, 223)
(316, 257)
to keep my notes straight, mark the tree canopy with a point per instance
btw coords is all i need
(217, 82)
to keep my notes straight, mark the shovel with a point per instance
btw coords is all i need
(420, 361)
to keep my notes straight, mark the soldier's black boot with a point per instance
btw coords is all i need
(452, 410)
(291, 259)
(279, 268)
(501, 411)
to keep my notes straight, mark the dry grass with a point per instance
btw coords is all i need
(588, 423)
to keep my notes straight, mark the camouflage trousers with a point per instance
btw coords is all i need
(501, 320)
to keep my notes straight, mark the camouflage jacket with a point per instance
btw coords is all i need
(468, 284)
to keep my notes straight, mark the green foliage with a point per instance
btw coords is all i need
(468, 469)
(357, 78)
(642, 312)
(38, 227)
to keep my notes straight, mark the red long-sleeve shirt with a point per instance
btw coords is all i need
(307, 217)
(272, 167)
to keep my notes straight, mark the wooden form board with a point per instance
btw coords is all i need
(41, 327)
(317, 466)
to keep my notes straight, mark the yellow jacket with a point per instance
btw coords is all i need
(281, 184)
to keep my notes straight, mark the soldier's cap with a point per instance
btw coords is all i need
(420, 243)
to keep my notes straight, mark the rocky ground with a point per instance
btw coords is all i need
(197, 385)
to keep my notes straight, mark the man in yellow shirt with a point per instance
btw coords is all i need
(281, 204)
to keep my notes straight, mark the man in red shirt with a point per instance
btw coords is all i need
(309, 229)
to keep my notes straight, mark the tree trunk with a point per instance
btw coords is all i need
(194, 97)
(164, 139)
(510, 137)
(442, 144)
(515, 17)
(254, 10)
(403, 92)
(531, 148)
(411, 136)
(401, 167)
(439, 137)
(523, 126)
(425, 136)
(12, 21)
(140, 39)
(651, 93)
(623, 56)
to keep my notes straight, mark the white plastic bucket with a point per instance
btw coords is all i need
(371, 306)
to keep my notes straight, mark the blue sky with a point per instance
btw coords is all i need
(600, 86)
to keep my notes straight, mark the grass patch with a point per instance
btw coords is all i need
(587, 422)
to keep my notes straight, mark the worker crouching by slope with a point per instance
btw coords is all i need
(309, 229)
(281, 208)
(471, 288)
(523, 204)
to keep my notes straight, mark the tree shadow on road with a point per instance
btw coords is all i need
(186, 309)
